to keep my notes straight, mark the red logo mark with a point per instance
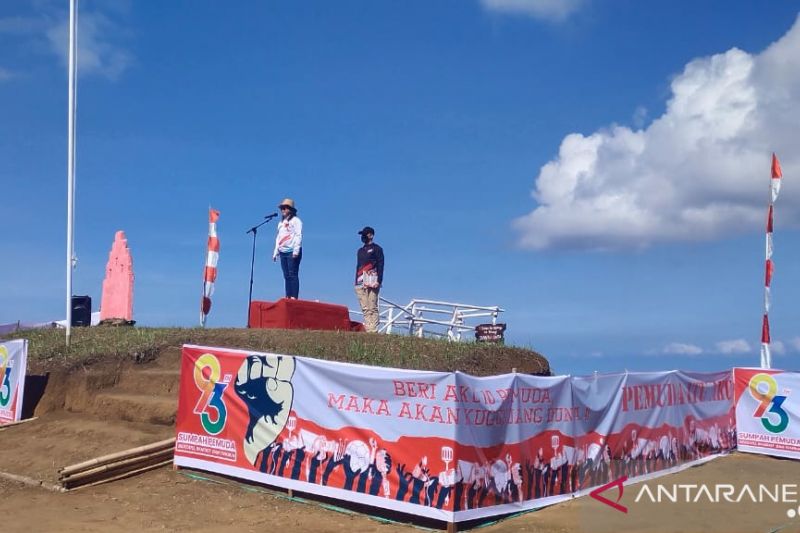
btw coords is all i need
(602, 499)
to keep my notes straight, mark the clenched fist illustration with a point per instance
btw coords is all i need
(264, 384)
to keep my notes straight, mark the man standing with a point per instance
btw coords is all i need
(369, 277)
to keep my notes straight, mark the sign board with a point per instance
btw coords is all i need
(13, 362)
(767, 412)
(490, 332)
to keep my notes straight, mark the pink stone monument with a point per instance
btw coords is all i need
(117, 301)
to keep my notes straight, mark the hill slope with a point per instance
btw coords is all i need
(107, 344)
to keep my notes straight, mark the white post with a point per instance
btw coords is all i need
(453, 319)
(72, 64)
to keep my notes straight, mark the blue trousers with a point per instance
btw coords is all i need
(291, 272)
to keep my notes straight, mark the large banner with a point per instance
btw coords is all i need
(767, 416)
(447, 446)
(13, 362)
(647, 424)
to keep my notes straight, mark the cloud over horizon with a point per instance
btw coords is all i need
(725, 347)
(735, 346)
(679, 348)
(698, 172)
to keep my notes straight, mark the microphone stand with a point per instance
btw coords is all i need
(254, 231)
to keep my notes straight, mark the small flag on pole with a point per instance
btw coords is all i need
(774, 189)
(210, 271)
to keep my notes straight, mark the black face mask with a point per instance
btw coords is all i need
(364, 239)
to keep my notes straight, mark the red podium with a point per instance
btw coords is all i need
(301, 314)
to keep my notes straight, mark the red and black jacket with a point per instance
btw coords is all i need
(370, 257)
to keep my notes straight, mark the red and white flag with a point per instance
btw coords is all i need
(769, 268)
(210, 271)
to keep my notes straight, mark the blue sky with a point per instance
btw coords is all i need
(599, 169)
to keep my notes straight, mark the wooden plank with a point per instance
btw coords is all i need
(124, 475)
(10, 424)
(117, 465)
(97, 461)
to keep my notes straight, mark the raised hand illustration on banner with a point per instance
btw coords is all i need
(319, 447)
(379, 472)
(356, 462)
(264, 384)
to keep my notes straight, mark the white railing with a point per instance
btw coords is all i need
(432, 317)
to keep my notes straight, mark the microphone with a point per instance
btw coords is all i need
(271, 215)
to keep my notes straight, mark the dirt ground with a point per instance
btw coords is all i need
(167, 500)
(41, 447)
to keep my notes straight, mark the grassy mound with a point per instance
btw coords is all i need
(46, 349)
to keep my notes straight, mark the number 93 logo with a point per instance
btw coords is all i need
(5, 377)
(764, 389)
(210, 406)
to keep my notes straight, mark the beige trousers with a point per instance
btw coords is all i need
(368, 298)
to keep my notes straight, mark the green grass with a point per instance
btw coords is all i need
(47, 350)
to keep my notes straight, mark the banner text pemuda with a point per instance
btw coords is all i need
(447, 446)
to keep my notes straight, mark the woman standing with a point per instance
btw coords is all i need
(289, 246)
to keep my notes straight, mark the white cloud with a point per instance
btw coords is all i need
(100, 35)
(554, 10)
(97, 54)
(697, 172)
(777, 347)
(735, 346)
(639, 116)
(678, 348)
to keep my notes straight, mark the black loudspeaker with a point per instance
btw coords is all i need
(81, 311)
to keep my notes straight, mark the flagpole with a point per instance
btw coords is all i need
(774, 189)
(72, 65)
(210, 270)
(203, 292)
